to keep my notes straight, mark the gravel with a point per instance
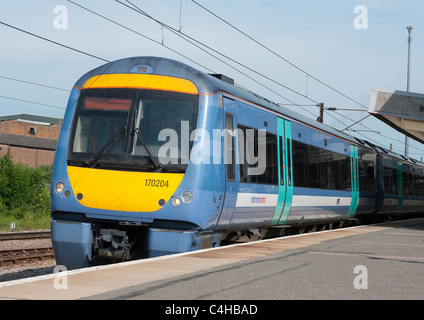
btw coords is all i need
(38, 268)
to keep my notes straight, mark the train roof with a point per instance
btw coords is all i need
(387, 153)
(207, 83)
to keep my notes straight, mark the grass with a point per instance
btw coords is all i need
(24, 219)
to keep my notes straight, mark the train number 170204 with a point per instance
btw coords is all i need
(156, 183)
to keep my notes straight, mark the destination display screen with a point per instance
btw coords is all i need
(115, 104)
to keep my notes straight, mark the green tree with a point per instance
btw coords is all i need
(24, 187)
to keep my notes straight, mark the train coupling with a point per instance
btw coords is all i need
(113, 244)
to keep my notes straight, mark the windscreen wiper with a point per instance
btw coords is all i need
(155, 161)
(107, 146)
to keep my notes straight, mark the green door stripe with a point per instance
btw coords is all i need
(281, 162)
(288, 172)
(354, 181)
(285, 186)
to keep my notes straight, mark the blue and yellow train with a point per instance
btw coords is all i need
(155, 157)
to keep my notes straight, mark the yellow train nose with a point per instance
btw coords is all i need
(123, 190)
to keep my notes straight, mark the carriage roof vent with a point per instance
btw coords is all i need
(223, 78)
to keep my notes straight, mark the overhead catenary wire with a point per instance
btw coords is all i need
(52, 41)
(190, 40)
(162, 44)
(276, 54)
(32, 102)
(292, 64)
(139, 33)
(186, 37)
(83, 52)
(35, 83)
(182, 35)
(76, 50)
(59, 44)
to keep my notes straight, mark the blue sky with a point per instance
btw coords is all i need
(318, 37)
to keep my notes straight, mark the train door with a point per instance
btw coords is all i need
(231, 184)
(354, 181)
(285, 186)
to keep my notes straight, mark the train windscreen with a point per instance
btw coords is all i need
(132, 129)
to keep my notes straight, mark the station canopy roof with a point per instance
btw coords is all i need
(402, 110)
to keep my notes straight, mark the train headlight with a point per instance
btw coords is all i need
(187, 196)
(59, 187)
(176, 202)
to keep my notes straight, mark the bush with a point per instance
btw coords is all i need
(24, 192)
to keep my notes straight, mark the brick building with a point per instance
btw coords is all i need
(30, 139)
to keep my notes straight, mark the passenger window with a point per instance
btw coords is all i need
(281, 161)
(314, 167)
(229, 146)
(258, 156)
(289, 164)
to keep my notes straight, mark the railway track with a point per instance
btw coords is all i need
(24, 235)
(22, 256)
(29, 252)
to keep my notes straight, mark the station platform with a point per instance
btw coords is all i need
(382, 261)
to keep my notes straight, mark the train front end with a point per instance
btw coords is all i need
(118, 167)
